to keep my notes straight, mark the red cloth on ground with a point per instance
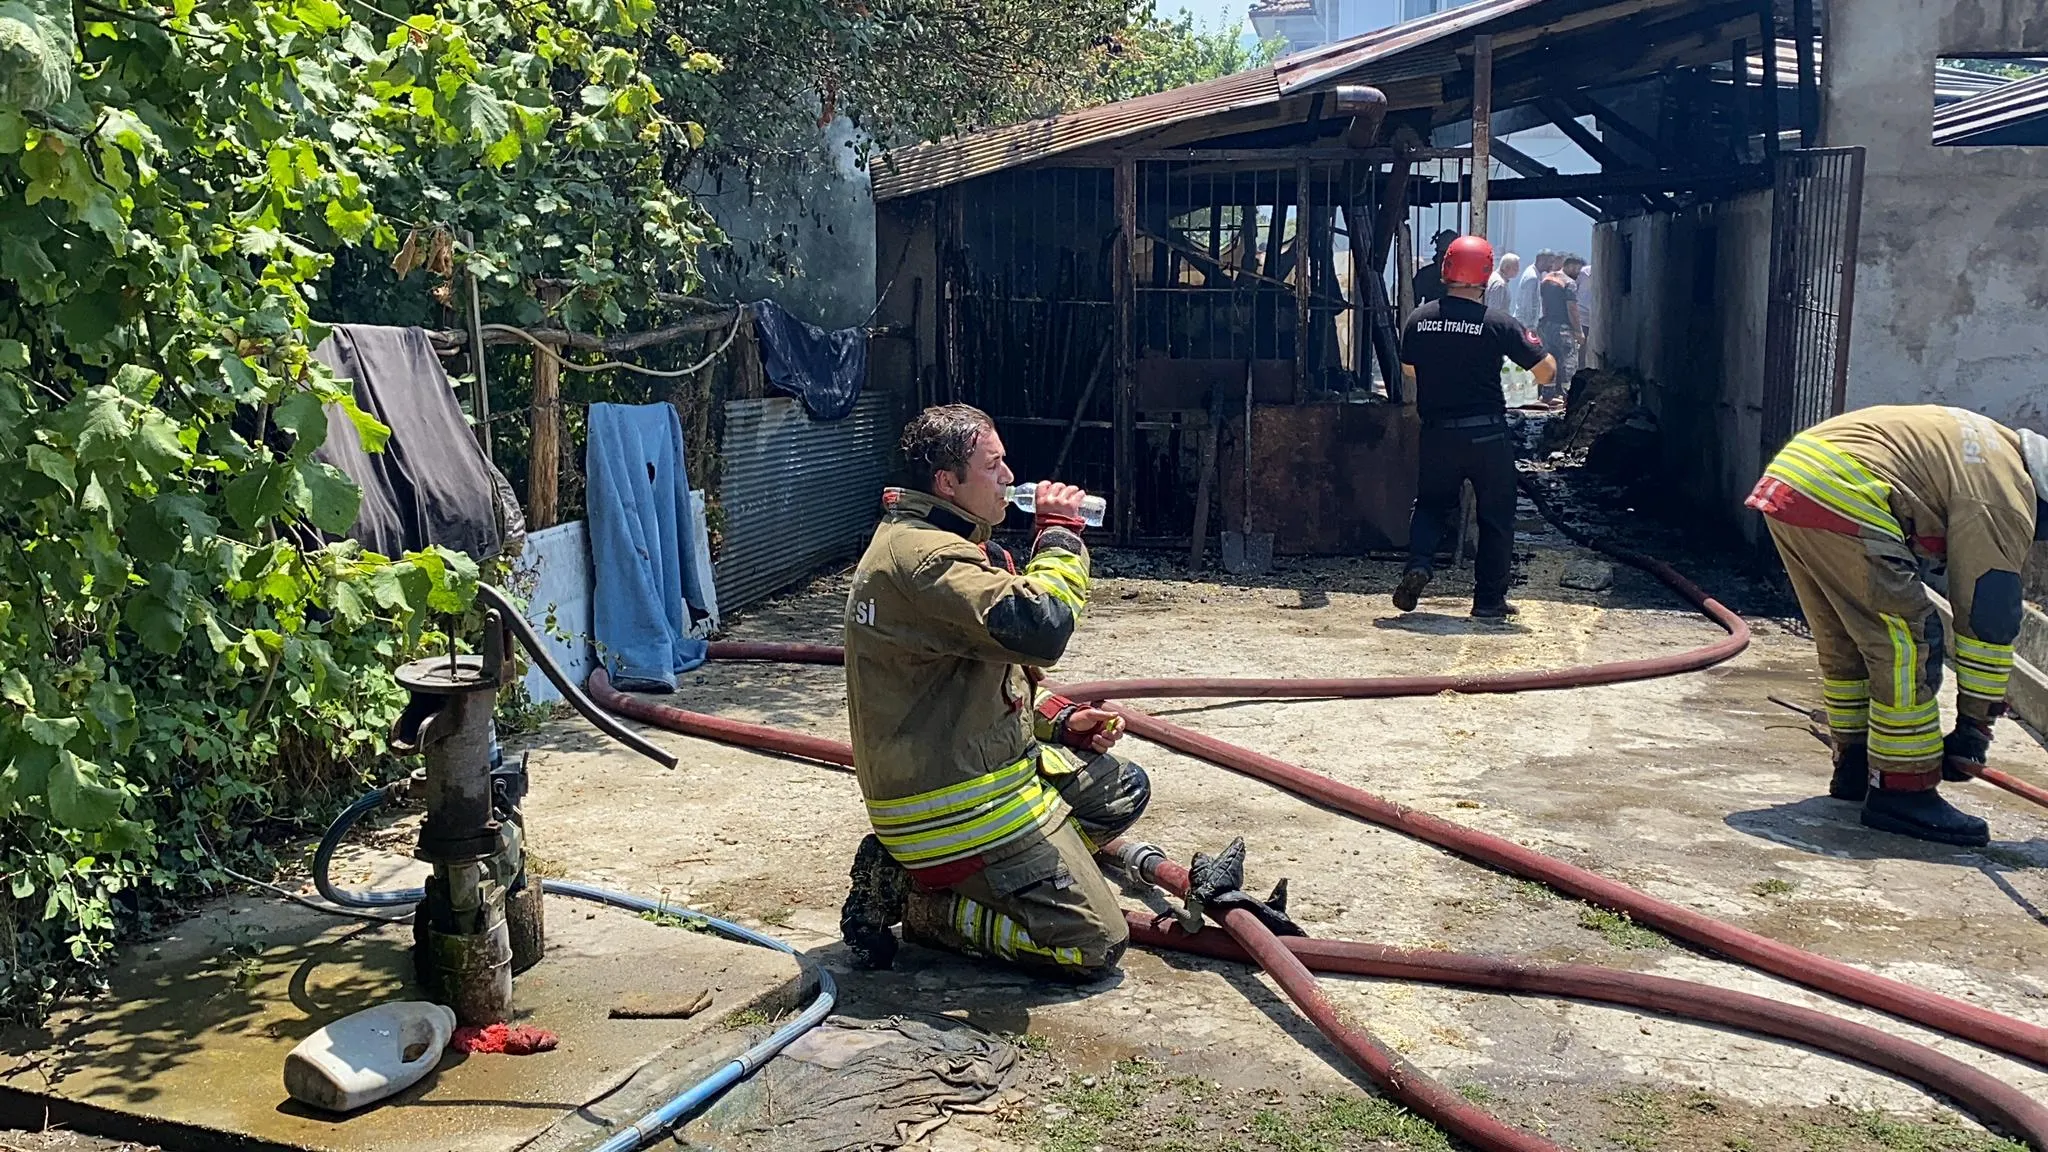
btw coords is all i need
(520, 1041)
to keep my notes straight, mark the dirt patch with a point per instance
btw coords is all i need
(59, 1141)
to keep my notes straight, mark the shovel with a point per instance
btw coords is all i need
(1245, 552)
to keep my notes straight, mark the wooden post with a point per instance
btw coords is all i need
(1738, 66)
(1304, 274)
(544, 458)
(1124, 293)
(1767, 19)
(1482, 128)
(1809, 73)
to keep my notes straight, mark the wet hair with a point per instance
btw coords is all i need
(941, 439)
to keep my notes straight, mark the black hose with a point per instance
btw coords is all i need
(323, 857)
(573, 693)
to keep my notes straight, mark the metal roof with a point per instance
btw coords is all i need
(1415, 48)
(907, 171)
(1950, 84)
(1283, 8)
(2007, 106)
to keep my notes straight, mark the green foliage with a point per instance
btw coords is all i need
(185, 667)
(1161, 53)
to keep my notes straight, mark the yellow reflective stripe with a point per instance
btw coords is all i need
(1844, 477)
(1905, 661)
(1817, 470)
(1848, 704)
(994, 934)
(1063, 576)
(953, 797)
(1979, 652)
(981, 829)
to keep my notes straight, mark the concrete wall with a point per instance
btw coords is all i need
(801, 226)
(1952, 270)
(1691, 324)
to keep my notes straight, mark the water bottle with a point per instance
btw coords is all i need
(1093, 508)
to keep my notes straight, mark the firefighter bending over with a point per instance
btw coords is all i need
(988, 795)
(1865, 506)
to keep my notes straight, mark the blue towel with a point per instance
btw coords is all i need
(637, 502)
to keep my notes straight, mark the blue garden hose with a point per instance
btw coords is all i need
(649, 1127)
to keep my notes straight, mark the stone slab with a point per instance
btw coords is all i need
(187, 1047)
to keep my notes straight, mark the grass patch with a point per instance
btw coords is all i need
(1531, 892)
(667, 919)
(1867, 1128)
(1639, 1119)
(1476, 1093)
(1337, 1121)
(745, 1018)
(1775, 886)
(1029, 1042)
(1617, 929)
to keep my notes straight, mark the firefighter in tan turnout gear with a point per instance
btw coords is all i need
(988, 795)
(1860, 506)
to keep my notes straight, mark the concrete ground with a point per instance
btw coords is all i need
(1697, 789)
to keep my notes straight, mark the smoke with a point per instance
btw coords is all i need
(800, 227)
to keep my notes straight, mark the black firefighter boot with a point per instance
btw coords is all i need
(1923, 815)
(881, 887)
(1852, 772)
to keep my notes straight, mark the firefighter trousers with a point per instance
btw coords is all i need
(1451, 455)
(1046, 907)
(1880, 645)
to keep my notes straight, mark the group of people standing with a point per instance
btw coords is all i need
(1551, 296)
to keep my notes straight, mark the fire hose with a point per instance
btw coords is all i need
(1290, 961)
(1982, 1094)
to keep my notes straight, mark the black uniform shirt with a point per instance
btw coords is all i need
(1455, 346)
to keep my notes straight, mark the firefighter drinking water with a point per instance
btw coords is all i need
(1867, 508)
(988, 795)
(1451, 350)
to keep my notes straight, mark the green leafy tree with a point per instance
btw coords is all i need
(1162, 53)
(186, 664)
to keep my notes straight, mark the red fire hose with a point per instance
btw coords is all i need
(1249, 940)
(1942, 1013)
(1289, 963)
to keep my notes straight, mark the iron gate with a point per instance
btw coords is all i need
(1815, 208)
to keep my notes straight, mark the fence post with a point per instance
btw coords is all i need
(544, 453)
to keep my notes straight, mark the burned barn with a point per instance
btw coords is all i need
(1190, 301)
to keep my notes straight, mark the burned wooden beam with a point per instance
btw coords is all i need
(1527, 165)
(1595, 184)
(1561, 115)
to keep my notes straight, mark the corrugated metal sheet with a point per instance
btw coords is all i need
(907, 171)
(2006, 107)
(1950, 84)
(798, 493)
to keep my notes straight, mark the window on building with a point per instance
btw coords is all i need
(1416, 9)
(1989, 101)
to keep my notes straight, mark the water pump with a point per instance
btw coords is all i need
(480, 922)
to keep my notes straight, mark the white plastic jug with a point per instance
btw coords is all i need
(361, 1059)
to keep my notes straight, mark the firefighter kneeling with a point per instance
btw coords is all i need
(988, 795)
(1860, 506)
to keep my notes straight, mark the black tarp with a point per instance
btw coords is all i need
(431, 484)
(826, 370)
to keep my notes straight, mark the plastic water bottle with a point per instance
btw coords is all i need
(1093, 508)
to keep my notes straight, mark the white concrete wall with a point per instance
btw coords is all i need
(1952, 269)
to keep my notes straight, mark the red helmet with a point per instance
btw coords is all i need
(1469, 260)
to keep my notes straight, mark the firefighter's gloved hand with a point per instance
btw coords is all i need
(1969, 743)
(1216, 885)
(1057, 505)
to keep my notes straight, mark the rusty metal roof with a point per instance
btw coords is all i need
(1424, 47)
(907, 171)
